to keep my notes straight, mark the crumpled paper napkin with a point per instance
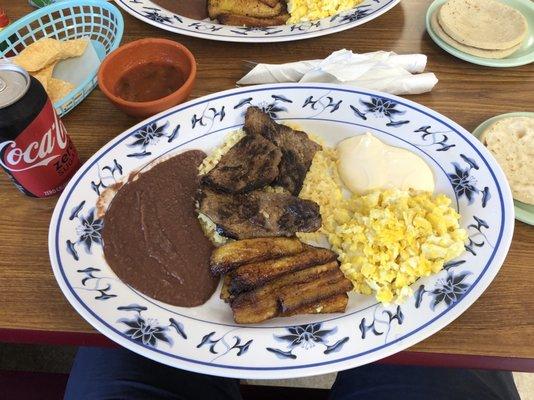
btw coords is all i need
(381, 70)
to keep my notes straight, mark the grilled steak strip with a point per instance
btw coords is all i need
(259, 214)
(297, 149)
(250, 164)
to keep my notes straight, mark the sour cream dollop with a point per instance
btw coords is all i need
(366, 163)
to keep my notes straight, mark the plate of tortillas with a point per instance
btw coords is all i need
(510, 138)
(485, 32)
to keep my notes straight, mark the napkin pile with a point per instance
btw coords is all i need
(380, 70)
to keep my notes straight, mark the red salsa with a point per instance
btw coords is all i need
(149, 81)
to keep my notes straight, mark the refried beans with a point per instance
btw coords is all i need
(152, 238)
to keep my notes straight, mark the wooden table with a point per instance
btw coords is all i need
(496, 332)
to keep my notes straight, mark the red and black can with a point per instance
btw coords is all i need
(35, 149)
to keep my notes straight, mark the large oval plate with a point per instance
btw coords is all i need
(205, 339)
(153, 14)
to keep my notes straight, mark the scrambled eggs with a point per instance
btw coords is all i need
(309, 10)
(386, 239)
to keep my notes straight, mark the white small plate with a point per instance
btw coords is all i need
(523, 212)
(524, 55)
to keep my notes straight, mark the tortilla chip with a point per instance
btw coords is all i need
(45, 74)
(39, 54)
(58, 88)
(73, 48)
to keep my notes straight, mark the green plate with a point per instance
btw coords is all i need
(523, 212)
(524, 55)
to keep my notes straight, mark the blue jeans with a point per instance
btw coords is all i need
(105, 374)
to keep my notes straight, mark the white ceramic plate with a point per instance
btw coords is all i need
(205, 339)
(153, 14)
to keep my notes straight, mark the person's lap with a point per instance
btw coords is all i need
(120, 374)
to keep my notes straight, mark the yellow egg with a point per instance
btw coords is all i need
(310, 10)
(385, 240)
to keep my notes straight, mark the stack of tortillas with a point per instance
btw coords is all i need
(511, 141)
(483, 28)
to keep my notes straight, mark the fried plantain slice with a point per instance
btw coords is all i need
(232, 255)
(297, 296)
(272, 3)
(262, 303)
(248, 8)
(225, 292)
(265, 302)
(243, 20)
(335, 304)
(250, 276)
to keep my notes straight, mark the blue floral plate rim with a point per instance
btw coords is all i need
(523, 212)
(150, 339)
(153, 14)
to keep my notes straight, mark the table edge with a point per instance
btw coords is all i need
(406, 357)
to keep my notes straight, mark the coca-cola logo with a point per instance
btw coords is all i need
(37, 153)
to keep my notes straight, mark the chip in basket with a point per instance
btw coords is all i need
(41, 57)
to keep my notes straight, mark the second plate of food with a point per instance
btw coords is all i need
(281, 231)
(489, 33)
(256, 21)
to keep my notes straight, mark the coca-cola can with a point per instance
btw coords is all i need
(35, 150)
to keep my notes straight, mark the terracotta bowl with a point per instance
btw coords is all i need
(143, 51)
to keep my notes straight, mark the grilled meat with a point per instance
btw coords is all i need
(234, 254)
(250, 164)
(259, 214)
(297, 149)
(250, 276)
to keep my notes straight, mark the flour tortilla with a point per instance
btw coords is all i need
(511, 141)
(486, 24)
(438, 30)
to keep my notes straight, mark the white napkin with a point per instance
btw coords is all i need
(380, 70)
